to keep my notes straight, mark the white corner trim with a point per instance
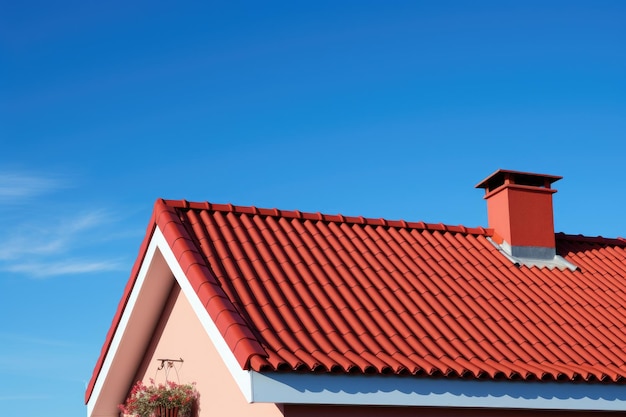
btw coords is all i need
(292, 388)
(241, 376)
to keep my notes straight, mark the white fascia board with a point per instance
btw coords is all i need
(241, 376)
(293, 388)
(121, 328)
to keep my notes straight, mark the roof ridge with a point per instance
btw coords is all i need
(620, 241)
(333, 218)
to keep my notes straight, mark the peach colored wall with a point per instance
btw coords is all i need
(181, 335)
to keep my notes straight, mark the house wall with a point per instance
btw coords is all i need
(180, 334)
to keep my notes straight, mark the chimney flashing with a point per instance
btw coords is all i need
(519, 259)
(531, 252)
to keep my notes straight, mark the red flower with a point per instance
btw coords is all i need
(143, 399)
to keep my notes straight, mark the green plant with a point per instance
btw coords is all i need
(143, 399)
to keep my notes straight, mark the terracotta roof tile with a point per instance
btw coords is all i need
(330, 293)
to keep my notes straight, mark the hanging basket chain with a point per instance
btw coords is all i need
(167, 365)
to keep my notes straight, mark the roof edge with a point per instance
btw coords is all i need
(332, 218)
(240, 339)
(232, 326)
(619, 241)
(143, 249)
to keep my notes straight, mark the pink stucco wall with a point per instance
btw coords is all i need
(180, 335)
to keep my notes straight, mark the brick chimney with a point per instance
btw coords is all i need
(519, 209)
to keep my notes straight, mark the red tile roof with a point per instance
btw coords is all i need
(293, 291)
(313, 292)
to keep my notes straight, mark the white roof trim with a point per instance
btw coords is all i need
(157, 272)
(123, 338)
(293, 388)
(242, 377)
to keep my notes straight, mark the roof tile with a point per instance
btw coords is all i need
(320, 293)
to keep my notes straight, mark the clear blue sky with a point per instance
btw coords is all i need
(382, 109)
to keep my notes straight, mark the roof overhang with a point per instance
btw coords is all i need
(433, 392)
(160, 270)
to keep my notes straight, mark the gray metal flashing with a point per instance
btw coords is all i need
(532, 256)
(532, 252)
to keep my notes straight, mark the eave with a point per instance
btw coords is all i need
(291, 388)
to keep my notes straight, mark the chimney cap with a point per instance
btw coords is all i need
(505, 176)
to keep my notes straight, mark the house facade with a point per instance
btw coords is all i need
(284, 313)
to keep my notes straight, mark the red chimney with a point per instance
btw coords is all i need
(519, 209)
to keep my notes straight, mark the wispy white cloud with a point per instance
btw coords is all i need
(40, 250)
(86, 220)
(52, 237)
(19, 246)
(49, 239)
(18, 186)
(64, 267)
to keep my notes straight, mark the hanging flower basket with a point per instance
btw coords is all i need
(166, 412)
(162, 400)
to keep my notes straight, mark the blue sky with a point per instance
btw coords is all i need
(382, 109)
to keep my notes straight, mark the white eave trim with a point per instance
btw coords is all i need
(293, 388)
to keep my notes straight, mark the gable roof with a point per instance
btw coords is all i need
(308, 292)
